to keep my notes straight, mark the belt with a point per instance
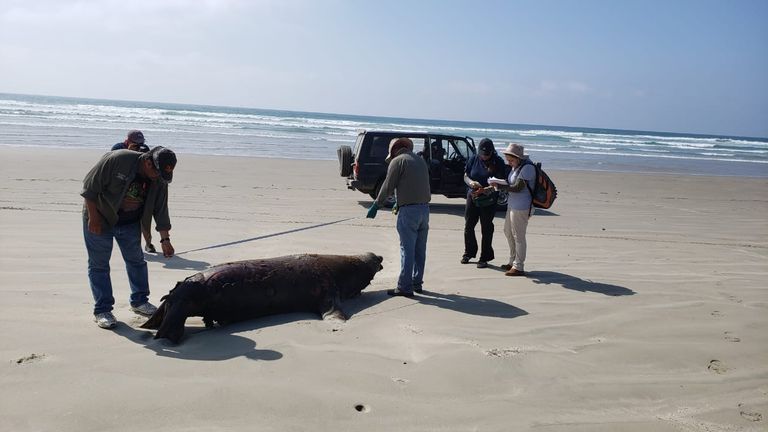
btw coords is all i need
(412, 204)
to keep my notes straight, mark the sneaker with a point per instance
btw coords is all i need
(105, 320)
(397, 292)
(146, 309)
(464, 259)
(482, 264)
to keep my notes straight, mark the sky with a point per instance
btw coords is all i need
(672, 65)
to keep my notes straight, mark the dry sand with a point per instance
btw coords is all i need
(645, 310)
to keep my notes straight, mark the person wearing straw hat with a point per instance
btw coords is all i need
(519, 198)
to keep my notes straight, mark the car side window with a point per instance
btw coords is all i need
(379, 148)
(418, 143)
(457, 149)
(358, 143)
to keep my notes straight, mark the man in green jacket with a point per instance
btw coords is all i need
(122, 191)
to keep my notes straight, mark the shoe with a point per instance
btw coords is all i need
(418, 290)
(482, 264)
(397, 292)
(105, 320)
(150, 248)
(506, 267)
(514, 272)
(464, 259)
(146, 309)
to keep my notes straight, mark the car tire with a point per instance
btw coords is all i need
(345, 160)
(390, 201)
(501, 202)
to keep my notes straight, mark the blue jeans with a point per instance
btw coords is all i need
(100, 251)
(413, 227)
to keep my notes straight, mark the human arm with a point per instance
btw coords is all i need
(94, 218)
(516, 186)
(96, 181)
(165, 243)
(391, 181)
(163, 221)
(471, 183)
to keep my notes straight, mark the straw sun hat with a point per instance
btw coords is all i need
(515, 150)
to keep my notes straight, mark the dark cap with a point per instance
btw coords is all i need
(164, 161)
(136, 136)
(486, 147)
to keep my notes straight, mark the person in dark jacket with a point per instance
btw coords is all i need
(481, 201)
(134, 141)
(123, 190)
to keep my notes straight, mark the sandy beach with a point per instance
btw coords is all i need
(645, 309)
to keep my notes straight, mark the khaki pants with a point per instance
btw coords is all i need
(515, 225)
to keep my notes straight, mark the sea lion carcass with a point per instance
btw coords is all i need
(243, 290)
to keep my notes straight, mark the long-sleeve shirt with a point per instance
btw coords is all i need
(479, 171)
(106, 185)
(407, 174)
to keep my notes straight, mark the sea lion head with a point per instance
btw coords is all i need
(359, 274)
(373, 261)
(186, 299)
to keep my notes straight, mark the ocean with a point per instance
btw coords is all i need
(75, 123)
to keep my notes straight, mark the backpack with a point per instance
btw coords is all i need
(544, 191)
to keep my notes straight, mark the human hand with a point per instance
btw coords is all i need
(475, 184)
(372, 211)
(94, 225)
(168, 249)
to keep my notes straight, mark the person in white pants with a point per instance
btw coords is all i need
(519, 183)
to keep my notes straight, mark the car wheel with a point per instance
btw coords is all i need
(501, 202)
(390, 201)
(345, 160)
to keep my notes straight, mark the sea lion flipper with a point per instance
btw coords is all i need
(332, 309)
(334, 315)
(154, 322)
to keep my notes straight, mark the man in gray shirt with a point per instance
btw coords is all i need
(408, 178)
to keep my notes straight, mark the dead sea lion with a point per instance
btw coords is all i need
(243, 290)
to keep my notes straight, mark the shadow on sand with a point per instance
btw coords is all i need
(176, 262)
(199, 344)
(470, 305)
(222, 342)
(455, 302)
(577, 284)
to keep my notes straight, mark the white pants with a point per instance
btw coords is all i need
(515, 225)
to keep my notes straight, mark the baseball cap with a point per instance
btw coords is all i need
(164, 161)
(486, 147)
(136, 136)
